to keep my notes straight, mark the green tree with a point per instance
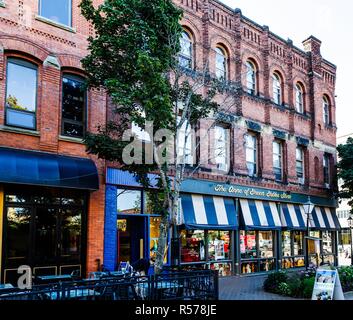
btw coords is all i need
(345, 170)
(134, 57)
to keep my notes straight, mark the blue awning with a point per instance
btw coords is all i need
(293, 217)
(324, 218)
(259, 215)
(44, 169)
(208, 213)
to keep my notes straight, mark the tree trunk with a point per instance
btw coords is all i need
(162, 244)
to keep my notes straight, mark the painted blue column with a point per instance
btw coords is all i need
(110, 228)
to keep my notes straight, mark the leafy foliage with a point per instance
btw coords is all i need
(345, 169)
(273, 281)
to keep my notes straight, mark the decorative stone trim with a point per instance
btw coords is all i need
(71, 139)
(2, 4)
(253, 126)
(20, 130)
(302, 141)
(52, 61)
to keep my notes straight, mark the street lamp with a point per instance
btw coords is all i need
(350, 225)
(308, 208)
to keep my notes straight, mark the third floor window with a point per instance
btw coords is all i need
(56, 10)
(250, 77)
(277, 160)
(221, 148)
(326, 166)
(300, 164)
(299, 98)
(277, 88)
(221, 64)
(326, 110)
(186, 52)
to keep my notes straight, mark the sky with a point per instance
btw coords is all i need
(328, 20)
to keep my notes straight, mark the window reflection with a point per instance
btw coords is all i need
(154, 235)
(71, 231)
(129, 201)
(248, 244)
(266, 244)
(58, 11)
(286, 244)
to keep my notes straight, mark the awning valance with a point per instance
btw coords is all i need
(259, 215)
(208, 213)
(44, 169)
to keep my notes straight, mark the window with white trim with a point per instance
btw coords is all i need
(184, 143)
(186, 50)
(278, 160)
(221, 64)
(277, 88)
(326, 167)
(221, 148)
(299, 98)
(250, 77)
(326, 110)
(59, 11)
(300, 165)
(251, 154)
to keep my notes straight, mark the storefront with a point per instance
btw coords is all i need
(131, 229)
(43, 212)
(269, 232)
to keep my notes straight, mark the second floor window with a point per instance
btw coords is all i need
(250, 77)
(251, 154)
(277, 88)
(326, 111)
(57, 11)
(326, 166)
(221, 148)
(221, 64)
(277, 160)
(184, 144)
(186, 52)
(21, 94)
(299, 98)
(300, 164)
(73, 107)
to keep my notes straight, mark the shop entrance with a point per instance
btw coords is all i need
(131, 238)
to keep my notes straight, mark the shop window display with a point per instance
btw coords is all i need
(192, 246)
(292, 249)
(267, 265)
(224, 269)
(249, 267)
(248, 248)
(219, 245)
(298, 243)
(154, 235)
(286, 244)
(266, 244)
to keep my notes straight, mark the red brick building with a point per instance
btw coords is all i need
(284, 95)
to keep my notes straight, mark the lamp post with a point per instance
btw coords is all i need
(308, 208)
(350, 225)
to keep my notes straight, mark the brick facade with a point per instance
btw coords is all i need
(56, 49)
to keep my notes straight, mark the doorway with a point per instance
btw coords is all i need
(132, 235)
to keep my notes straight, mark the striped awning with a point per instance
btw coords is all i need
(208, 213)
(259, 215)
(293, 217)
(324, 218)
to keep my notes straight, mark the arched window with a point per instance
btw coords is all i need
(221, 64)
(186, 52)
(277, 88)
(326, 110)
(251, 77)
(299, 98)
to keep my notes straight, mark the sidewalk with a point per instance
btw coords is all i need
(250, 288)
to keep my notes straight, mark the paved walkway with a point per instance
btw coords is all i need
(246, 288)
(250, 288)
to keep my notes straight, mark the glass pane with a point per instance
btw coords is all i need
(73, 106)
(129, 201)
(21, 87)
(154, 235)
(18, 224)
(299, 262)
(224, 269)
(266, 244)
(58, 11)
(298, 245)
(327, 242)
(267, 265)
(248, 244)
(287, 263)
(45, 234)
(286, 244)
(192, 246)
(71, 232)
(20, 119)
(16, 198)
(219, 245)
(249, 267)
